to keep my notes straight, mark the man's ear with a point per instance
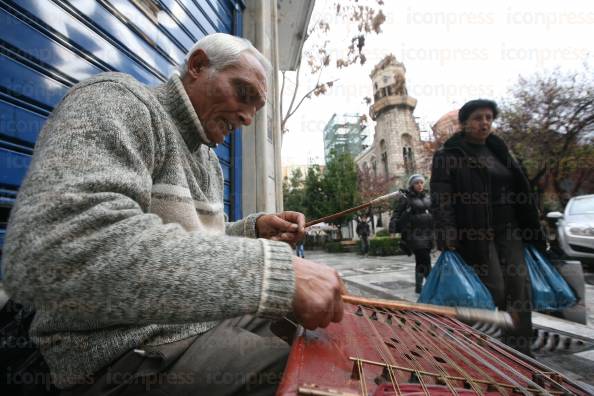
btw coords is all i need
(197, 63)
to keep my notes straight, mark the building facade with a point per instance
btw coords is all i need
(396, 147)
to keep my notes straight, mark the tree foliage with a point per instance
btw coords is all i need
(548, 122)
(313, 193)
(340, 185)
(323, 193)
(293, 192)
(371, 186)
(319, 55)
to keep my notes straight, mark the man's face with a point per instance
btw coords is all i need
(228, 99)
(478, 125)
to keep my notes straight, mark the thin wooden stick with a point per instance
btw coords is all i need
(351, 210)
(467, 314)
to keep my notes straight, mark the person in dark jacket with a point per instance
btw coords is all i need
(484, 208)
(363, 230)
(413, 219)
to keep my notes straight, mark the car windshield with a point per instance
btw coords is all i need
(584, 205)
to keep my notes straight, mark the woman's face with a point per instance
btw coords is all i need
(478, 125)
(418, 185)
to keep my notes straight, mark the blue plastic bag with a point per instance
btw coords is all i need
(550, 292)
(451, 282)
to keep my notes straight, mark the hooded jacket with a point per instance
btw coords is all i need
(413, 219)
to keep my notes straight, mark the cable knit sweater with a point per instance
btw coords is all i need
(118, 235)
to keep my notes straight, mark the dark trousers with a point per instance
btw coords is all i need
(422, 266)
(506, 276)
(423, 261)
(240, 356)
(365, 243)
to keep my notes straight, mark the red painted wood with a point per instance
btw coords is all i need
(320, 359)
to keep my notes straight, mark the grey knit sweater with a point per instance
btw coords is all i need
(118, 235)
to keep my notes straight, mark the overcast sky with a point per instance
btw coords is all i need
(453, 51)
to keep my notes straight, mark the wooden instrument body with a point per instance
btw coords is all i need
(388, 352)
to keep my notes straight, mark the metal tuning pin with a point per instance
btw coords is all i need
(359, 311)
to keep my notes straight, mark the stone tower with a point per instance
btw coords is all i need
(393, 154)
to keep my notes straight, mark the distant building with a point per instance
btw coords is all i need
(447, 125)
(345, 134)
(397, 140)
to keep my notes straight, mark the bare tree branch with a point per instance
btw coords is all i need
(367, 19)
(306, 96)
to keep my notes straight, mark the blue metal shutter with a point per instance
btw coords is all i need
(46, 46)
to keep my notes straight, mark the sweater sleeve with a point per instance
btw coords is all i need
(441, 201)
(82, 245)
(245, 227)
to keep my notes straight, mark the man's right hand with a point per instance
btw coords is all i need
(318, 294)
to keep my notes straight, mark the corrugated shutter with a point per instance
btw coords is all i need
(48, 46)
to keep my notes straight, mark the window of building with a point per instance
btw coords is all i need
(384, 157)
(407, 153)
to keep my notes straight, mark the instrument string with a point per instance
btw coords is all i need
(534, 367)
(364, 391)
(390, 371)
(446, 357)
(457, 353)
(359, 361)
(489, 360)
(417, 368)
(386, 357)
(496, 345)
(445, 375)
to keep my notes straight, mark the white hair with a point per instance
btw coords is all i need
(224, 50)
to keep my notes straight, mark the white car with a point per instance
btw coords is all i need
(575, 228)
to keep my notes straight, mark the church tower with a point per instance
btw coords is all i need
(397, 139)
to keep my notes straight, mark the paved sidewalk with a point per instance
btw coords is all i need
(392, 277)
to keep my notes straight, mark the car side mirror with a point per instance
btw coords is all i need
(554, 215)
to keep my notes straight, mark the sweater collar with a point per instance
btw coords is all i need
(174, 98)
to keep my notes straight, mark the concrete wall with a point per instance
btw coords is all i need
(261, 173)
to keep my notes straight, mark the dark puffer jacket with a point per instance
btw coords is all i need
(460, 194)
(413, 219)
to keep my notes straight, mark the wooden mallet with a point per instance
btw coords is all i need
(500, 318)
(355, 209)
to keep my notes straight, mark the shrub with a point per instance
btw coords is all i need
(384, 246)
(334, 247)
(382, 233)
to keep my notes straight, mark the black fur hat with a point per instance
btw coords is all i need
(473, 105)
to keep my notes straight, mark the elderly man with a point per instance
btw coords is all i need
(118, 239)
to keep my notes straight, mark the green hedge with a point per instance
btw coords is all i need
(382, 233)
(334, 247)
(384, 246)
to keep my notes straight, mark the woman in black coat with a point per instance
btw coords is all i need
(412, 219)
(484, 208)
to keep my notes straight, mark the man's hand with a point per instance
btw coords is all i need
(285, 227)
(318, 294)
